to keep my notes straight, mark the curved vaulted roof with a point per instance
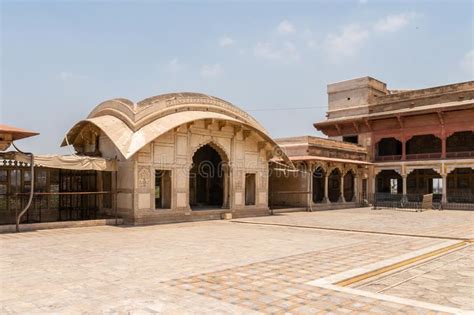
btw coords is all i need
(130, 126)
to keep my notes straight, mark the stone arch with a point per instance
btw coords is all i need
(388, 181)
(215, 145)
(460, 185)
(350, 168)
(349, 184)
(411, 169)
(334, 184)
(423, 144)
(318, 182)
(421, 180)
(332, 168)
(389, 147)
(209, 177)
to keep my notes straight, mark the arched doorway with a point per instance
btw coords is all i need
(334, 183)
(460, 188)
(389, 181)
(349, 186)
(208, 179)
(318, 185)
(423, 146)
(389, 149)
(460, 144)
(424, 181)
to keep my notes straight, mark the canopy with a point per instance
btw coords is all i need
(69, 162)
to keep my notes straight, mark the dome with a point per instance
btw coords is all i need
(131, 125)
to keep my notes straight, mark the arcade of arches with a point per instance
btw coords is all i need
(428, 146)
(324, 185)
(452, 186)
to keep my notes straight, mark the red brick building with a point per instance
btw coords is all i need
(420, 141)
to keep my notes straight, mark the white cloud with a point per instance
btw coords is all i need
(467, 63)
(394, 22)
(285, 52)
(346, 43)
(174, 65)
(363, 1)
(226, 41)
(311, 43)
(285, 27)
(212, 71)
(64, 75)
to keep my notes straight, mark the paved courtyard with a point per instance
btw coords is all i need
(241, 268)
(441, 224)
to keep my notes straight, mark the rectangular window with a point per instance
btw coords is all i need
(54, 188)
(351, 139)
(3, 189)
(250, 189)
(107, 186)
(393, 185)
(41, 186)
(437, 186)
(162, 189)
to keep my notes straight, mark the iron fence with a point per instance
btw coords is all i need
(458, 201)
(56, 206)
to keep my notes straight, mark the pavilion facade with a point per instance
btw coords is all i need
(419, 141)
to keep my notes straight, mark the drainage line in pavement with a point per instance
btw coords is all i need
(376, 272)
(358, 231)
(418, 275)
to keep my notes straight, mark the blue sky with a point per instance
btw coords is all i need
(59, 59)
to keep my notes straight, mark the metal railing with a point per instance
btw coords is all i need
(423, 156)
(460, 154)
(455, 201)
(58, 206)
(388, 157)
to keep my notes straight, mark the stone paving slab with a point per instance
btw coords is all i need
(191, 268)
(433, 223)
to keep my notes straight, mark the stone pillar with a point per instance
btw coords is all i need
(356, 189)
(404, 184)
(326, 186)
(341, 198)
(444, 197)
(374, 184)
(404, 149)
(443, 147)
(309, 181)
(225, 203)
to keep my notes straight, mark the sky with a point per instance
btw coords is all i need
(59, 59)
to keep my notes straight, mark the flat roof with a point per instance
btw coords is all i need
(16, 133)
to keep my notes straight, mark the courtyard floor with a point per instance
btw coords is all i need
(368, 261)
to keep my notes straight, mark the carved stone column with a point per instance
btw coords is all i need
(404, 149)
(326, 186)
(356, 189)
(444, 197)
(225, 203)
(404, 184)
(443, 147)
(341, 198)
(309, 199)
